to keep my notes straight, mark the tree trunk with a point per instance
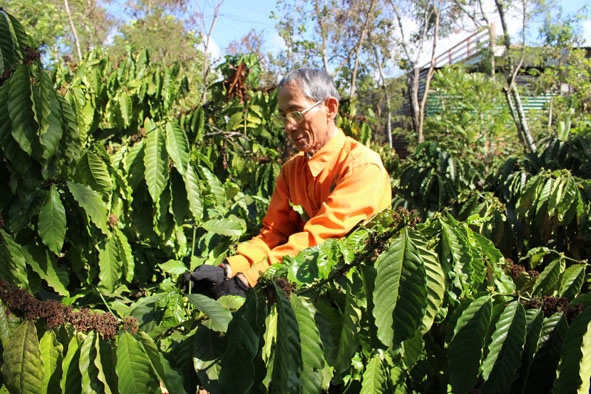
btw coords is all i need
(353, 90)
(74, 31)
(528, 139)
(384, 86)
(429, 75)
(511, 92)
(413, 83)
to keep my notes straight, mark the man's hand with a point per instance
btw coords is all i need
(203, 279)
(214, 281)
(232, 286)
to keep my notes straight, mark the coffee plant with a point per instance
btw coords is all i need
(115, 180)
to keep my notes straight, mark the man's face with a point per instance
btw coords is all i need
(316, 126)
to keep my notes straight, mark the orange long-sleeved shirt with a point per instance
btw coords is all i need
(341, 185)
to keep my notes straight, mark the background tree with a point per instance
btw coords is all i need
(338, 41)
(511, 13)
(561, 38)
(50, 26)
(469, 112)
(428, 22)
(205, 30)
(155, 26)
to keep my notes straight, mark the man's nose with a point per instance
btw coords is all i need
(289, 126)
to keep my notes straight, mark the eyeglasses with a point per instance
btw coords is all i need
(294, 117)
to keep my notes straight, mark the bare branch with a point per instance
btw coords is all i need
(205, 34)
(74, 31)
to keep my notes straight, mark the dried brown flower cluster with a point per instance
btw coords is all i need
(268, 290)
(516, 270)
(31, 55)
(550, 305)
(56, 314)
(235, 83)
(378, 242)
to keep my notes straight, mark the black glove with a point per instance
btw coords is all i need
(232, 286)
(203, 279)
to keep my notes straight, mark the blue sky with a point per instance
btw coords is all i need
(238, 17)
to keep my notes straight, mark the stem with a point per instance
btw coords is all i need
(366, 255)
(105, 302)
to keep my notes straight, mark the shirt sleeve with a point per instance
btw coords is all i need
(359, 195)
(279, 222)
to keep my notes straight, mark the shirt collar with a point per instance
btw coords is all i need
(327, 154)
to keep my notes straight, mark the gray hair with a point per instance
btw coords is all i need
(315, 84)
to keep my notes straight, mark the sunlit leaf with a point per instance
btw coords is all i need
(8, 323)
(312, 355)
(214, 185)
(155, 160)
(194, 193)
(71, 381)
(177, 146)
(52, 356)
(20, 110)
(91, 383)
(126, 107)
(91, 202)
(374, 377)
(174, 267)
(436, 284)
(231, 226)
(110, 266)
(134, 368)
(574, 370)
(409, 314)
(156, 358)
(48, 269)
(48, 114)
(52, 221)
(22, 361)
(220, 316)
(456, 251)
(389, 268)
(549, 278)
(125, 254)
(504, 351)
(572, 281)
(93, 171)
(465, 349)
(13, 263)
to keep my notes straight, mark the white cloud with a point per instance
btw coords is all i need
(214, 49)
(276, 43)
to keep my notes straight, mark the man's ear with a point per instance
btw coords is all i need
(332, 104)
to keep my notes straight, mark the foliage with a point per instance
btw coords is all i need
(111, 158)
(153, 29)
(114, 183)
(573, 69)
(433, 178)
(47, 22)
(469, 107)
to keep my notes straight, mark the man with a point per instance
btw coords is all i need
(337, 181)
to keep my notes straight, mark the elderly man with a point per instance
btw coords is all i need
(337, 181)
